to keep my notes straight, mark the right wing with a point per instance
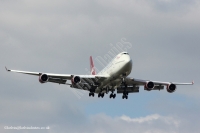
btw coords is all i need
(86, 80)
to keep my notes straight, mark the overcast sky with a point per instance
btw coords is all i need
(161, 36)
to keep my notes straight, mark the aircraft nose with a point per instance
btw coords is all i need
(129, 62)
(128, 59)
(128, 65)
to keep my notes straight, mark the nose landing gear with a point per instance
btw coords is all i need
(112, 95)
(125, 93)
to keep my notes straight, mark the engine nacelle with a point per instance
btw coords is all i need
(171, 88)
(76, 79)
(149, 85)
(43, 78)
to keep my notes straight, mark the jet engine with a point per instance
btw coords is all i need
(43, 78)
(76, 79)
(171, 88)
(149, 85)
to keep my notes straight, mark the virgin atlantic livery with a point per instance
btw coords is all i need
(112, 77)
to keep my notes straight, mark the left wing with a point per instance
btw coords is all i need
(154, 85)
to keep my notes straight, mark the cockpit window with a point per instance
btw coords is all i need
(125, 53)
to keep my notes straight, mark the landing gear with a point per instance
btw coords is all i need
(125, 95)
(91, 94)
(101, 95)
(112, 95)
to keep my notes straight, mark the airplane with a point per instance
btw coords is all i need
(113, 77)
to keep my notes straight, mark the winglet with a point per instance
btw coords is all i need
(192, 82)
(7, 69)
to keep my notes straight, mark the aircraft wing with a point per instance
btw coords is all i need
(141, 82)
(153, 85)
(62, 78)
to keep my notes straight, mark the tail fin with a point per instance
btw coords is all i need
(92, 68)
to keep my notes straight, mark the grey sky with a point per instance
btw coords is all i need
(59, 36)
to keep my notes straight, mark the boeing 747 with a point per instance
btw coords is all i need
(113, 77)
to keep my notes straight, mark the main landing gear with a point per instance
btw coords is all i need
(101, 95)
(125, 95)
(112, 95)
(91, 94)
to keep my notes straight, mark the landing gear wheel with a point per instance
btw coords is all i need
(124, 96)
(91, 94)
(101, 95)
(111, 95)
(114, 96)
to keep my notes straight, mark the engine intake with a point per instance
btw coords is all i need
(171, 88)
(43, 78)
(76, 79)
(149, 85)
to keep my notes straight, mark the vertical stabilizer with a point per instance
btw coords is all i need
(92, 68)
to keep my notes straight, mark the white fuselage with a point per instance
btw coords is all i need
(118, 68)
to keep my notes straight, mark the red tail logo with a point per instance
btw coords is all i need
(92, 69)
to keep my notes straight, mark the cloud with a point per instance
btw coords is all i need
(101, 123)
(140, 120)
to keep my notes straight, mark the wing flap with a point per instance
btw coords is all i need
(58, 80)
(132, 89)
